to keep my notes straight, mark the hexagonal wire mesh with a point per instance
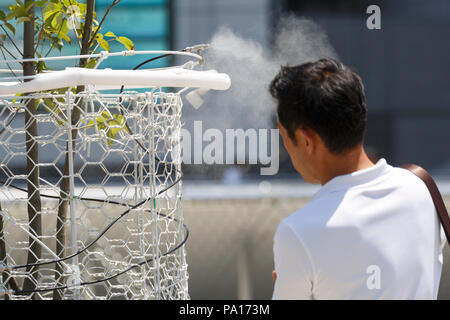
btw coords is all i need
(113, 212)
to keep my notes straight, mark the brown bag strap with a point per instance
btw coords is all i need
(435, 195)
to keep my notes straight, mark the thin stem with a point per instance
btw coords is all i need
(115, 2)
(96, 47)
(74, 27)
(51, 46)
(39, 35)
(76, 33)
(10, 39)
(9, 67)
(3, 46)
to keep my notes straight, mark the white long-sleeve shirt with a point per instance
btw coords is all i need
(371, 234)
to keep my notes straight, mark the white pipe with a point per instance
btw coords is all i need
(73, 221)
(11, 70)
(174, 77)
(106, 55)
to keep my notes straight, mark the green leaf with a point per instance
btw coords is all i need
(102, 42)
(90, 124)
(91, 63)
(17, 95)
(41, 66)
(37, 102)
(49, 103)
(52, 107)
(110, 124)
(51, 9)
(19, 11)
(2, 15)
(10, 15)
(22, 19)
(83, 7)
(10, 27)
(41, 3)
(28, 6)
(122, 122)
(98, 37)
(105, 45)
(126, 42)
(58, 44)
(62, 34)
(57, 20)
(13, 13)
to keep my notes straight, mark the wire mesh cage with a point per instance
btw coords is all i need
(96, 212)
(126, 163)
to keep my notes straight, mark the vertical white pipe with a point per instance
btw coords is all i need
(178, 195)
(73, 222)
(152, 169)
(138, 193)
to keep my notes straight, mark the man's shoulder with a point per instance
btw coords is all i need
(409, 184)
(311, 219)
(399, 186)
(316, 210)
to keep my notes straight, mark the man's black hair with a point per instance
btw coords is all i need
(325, 96)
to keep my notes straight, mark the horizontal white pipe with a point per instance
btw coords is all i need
(11, 70)
(174, 77)
(105, 54)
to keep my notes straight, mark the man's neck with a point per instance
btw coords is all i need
(338, 165)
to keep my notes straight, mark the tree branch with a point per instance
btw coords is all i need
(51, 47)
(74, 27)
(115, 2)
(65, 185)
(32, 151)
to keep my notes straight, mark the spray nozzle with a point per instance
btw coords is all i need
(195, 97)
(198, 49)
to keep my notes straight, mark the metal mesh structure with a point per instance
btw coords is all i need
(111, 214)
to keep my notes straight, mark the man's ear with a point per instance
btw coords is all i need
(307, 138)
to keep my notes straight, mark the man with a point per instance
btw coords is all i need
(371, 231)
